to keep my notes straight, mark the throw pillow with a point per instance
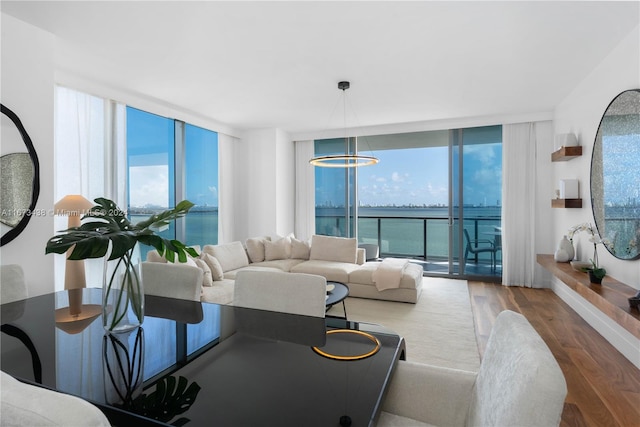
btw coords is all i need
(231, 256)
(213, 264)
(329, 248)
(154, 256)
(275, 250)
(299, 249)
(207, 279)
(255, 248)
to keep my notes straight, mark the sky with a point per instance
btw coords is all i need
(403, 177)
(150, 149)
(419, 176)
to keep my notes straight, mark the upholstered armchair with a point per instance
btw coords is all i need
(519, 384)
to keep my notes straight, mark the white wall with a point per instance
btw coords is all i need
(580, 113)
(265, 184)
(27, 89)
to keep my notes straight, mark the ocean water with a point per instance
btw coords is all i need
(402, 230)
(411, 232)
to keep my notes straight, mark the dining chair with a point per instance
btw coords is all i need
(23, 404)
(172, 280)
(14, 290)
(473, 246)
(295, 293)
(519, 384)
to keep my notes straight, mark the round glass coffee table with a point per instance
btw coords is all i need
(337, 292)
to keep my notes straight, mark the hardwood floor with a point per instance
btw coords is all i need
(603, 386)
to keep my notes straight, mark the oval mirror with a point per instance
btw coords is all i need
(615, 176)
(19, 178)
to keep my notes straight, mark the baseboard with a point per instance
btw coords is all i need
(617, 336)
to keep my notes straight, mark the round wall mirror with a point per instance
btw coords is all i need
(615, 176)
(19, 178)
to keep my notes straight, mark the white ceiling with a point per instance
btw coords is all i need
(277, 64)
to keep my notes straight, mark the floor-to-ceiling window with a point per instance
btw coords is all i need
(168, 161)
(417, 201)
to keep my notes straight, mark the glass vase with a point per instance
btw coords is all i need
(122, 294)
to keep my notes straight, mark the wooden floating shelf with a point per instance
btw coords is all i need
(611, 297)
(566, 153)
(566, 203)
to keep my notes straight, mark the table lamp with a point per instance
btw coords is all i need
(74, 206)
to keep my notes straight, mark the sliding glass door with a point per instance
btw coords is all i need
(428, 188)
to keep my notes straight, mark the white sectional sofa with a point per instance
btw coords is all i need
(335, 258)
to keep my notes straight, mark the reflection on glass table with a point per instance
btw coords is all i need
(223, 365)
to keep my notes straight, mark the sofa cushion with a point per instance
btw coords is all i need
(300, 249)
(231, 274)
(255, 248)
(329, 248)
(331, 270)
(281, 264)
(276, 249)
(154, 256)
(411, 276)
(231, 256)
(207, 279)
(214, 266)
(220, 293)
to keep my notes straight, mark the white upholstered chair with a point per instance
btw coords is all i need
(372, 251)
(180, 281)
(27, 405)
(519, 384)
(294, 293)
(13, 286)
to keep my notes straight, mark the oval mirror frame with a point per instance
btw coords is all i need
(35, 185)
(615, 176)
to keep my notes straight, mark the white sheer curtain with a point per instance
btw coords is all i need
(226, 145)
(305, 216)
(519, 204)
(89, 150)
(90, 159)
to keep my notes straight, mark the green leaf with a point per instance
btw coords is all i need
(106, 224)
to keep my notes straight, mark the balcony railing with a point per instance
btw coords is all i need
(421, 238)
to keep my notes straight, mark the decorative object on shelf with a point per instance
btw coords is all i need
(107, 231)
(569, 189)
(123, 361)
(20, 181)
(615, 175)
(580, 266)
(565, 251)
(596, 273)
(634, 301)
(565, 140)
(347, 160)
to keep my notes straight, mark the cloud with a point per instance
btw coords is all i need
(149, 185)
(396, 177)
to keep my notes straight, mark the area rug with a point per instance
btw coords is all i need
(438, 330)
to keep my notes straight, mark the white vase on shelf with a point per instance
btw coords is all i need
(565, 251)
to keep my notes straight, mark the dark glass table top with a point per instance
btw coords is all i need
(205, 364)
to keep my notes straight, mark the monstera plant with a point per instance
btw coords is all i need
(105, 230)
